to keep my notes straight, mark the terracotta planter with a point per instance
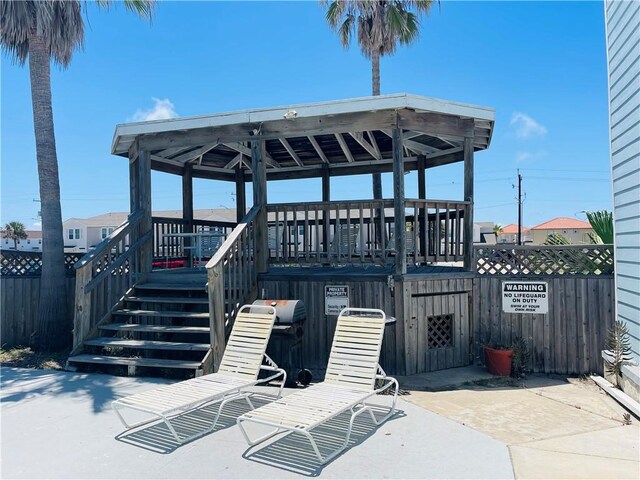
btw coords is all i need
(498, 362)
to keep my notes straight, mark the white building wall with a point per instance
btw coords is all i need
(622, 20)
(74, 244)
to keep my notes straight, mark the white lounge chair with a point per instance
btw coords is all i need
(350, 380)
(239, 369)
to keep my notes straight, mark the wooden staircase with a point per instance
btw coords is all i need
(160, 328)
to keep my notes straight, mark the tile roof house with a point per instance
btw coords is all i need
(574, 230)
(509, 234)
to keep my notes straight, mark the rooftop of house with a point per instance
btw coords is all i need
(113, 219)
(560, 223)
(512, 228)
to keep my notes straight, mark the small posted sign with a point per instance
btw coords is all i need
(525, 297)
(336, 298)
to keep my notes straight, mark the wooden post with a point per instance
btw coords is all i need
(144, 197)
(468, 197)
(187, 207)
(326, 197)
(217, 315)
(82, 314)
(258, 167)
(422, 195)
(241, 194)
(398, 203)
(134, 180)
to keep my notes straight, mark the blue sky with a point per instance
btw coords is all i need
(542, 66)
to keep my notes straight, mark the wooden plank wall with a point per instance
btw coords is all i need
(319, 329)
(19, 308)
(436, 296)
(567, 340)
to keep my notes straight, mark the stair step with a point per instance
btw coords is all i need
(171, 286)
(146, 344)
(138, 327)
(190, 300)
(157, 313)
(137, 362)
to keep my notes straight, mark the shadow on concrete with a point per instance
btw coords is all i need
(157, 438)
(293, 452)
(18, 384)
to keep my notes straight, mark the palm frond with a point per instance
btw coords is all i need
(345, 31)
(602, 223)
(144, 8)
(557, 239)
(15, 22)
(380, 25)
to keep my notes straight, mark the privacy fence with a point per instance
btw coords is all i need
(20, 294)
(567, 339)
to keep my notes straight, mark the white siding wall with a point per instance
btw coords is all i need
(622, 20)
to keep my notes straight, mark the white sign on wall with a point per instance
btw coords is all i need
(525, 297)
(336, 298)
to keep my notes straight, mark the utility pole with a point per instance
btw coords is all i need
(519, 208)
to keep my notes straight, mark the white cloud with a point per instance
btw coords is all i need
(523, 157)
(36, 225)
(526, 127)
(162, 110)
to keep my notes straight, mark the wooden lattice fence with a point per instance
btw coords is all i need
(29, 264)
(544, 260)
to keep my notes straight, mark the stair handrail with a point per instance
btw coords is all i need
(232, 281)
(104, 275)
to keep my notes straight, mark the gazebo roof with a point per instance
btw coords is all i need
(347, 136)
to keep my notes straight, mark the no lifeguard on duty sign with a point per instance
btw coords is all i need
(525, 297)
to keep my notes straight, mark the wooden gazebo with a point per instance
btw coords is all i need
(394, 241)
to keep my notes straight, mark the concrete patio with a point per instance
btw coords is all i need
(60, 425)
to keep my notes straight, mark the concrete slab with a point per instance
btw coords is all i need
(555, 427)
(60, 425)
(444, 379)
(511, 416)
(611, 453)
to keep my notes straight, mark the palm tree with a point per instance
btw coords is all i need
(42, 31)
(15, 231)
(497, 229)
(380, 25)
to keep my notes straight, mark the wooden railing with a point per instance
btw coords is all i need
(105, 274)
(544, 259)
(232, 281)
(166, 246)
(343, 232)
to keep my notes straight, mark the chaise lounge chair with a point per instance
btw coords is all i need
(350, 380)
(239, 369)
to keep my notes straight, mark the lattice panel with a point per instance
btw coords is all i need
(29, 264)
(546, 260)
(440, 331)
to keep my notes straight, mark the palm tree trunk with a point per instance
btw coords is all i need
(53, 328)
(376, 178)
(375, 74)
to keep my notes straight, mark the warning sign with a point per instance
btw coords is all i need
(525, 297)
(336, 298)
